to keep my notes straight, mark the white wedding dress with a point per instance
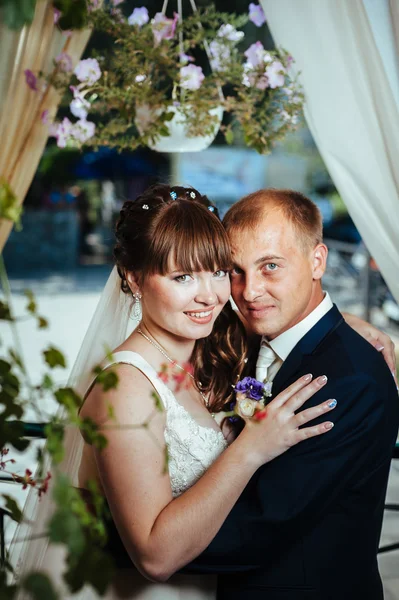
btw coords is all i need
(192, 448)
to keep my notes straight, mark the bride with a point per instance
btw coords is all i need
(173, 258)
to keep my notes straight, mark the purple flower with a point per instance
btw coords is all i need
(57, 15)
(191, 77)
(275, 73)
(44, 117)
(251, 387)
(64, 62)
(139, 17)
(256, 14)
(88, 71)
(164, 28)
(31, 80)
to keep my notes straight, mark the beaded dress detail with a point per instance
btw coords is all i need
(192, 447)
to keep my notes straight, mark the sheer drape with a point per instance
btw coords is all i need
(347, 53)
(22, 133)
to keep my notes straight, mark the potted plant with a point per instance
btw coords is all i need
(150, 90)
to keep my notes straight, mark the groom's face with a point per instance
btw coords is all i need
(276, 278)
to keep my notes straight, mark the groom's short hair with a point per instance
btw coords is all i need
(297, 208)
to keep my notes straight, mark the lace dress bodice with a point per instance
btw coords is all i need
(192, 447)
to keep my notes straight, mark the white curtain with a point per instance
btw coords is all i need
(347, 53)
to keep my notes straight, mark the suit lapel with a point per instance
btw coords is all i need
(306, 346)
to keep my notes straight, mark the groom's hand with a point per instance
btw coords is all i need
(380, 340)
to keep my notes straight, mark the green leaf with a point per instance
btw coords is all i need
(47, 383)
(31, 307)
(16, 358)
(10, 208)
(42, 323)
(12, 506)
(94, 567)
(54, 358)
(69, 398)
(7, 591)
(157, 401)
(107, 379)
(65, 528)
(229, 135)
(55, 438)
(39, 586)
(5, 314)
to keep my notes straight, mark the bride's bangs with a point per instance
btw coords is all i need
(189, 238)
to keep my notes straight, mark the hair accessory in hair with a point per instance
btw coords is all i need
(173, 195)
(145, 206)
(192, 195)
(211, 208)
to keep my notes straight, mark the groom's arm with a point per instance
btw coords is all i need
(295, 490)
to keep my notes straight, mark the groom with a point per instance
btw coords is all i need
(308, 524)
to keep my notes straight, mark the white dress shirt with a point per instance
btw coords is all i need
(286, 341)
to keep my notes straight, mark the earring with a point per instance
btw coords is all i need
(137, 306)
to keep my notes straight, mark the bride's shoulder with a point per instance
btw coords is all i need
(130, 398)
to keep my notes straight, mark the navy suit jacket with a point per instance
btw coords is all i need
(308, 524)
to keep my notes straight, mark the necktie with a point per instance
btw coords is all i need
(266, 358)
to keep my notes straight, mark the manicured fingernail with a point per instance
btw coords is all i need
(332, 404)
(322, 380)
(329, 425)
(308, 377)
(393, 374)
(379, 347)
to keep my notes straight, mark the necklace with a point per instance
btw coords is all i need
(162, 351)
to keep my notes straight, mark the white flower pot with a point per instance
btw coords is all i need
(178, 141)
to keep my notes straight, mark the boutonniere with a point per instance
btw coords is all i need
(251, 398)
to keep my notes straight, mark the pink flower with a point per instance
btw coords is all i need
(139, 17)
(31, 80)
(275, 73)
(88, 71)
(164, 28)
(64, 62)
(57, 15)
(83, 130)
(256, 14)
(62, 132)
(230, 33)
(191, 77)
(255, 54)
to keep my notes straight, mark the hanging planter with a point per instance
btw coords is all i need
(150, 89)
(178, 139)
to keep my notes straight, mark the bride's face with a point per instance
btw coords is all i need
(184, 304)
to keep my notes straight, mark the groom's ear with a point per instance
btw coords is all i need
(319, 261)
(132, 281)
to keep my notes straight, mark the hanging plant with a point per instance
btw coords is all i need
(150, 90)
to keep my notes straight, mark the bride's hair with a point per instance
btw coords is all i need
(176, 224)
